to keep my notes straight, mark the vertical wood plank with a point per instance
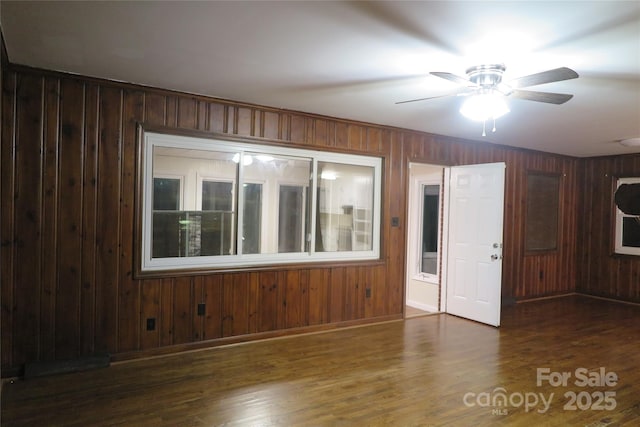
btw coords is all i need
(235, 320)
(154, 109)
(217, 118)
(186, 113)
(342, 135)
(69, 219)
(129, 290)
(244, 122)
(337, 295)
(28, 218)
(197, 320)
(165, 317)
(397, 202)
(108, 220)
(50, 213)
(298, 129)
(89, 220)
(271, 125)
(268, 296)
(295, 299)
(7, 222)
(213, 301)
(171, 111)
(183, 310)
(319, 282)
(352, 282)
(150, 309)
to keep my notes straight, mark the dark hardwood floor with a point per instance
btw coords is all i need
(433, 370)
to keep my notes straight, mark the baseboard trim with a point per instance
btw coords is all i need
(423, 307)
(546, 297)
(118, 358)
(637, 304)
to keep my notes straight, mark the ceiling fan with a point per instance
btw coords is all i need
(484, 84)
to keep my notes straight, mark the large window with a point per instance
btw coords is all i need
(627, 238)
(214, 204)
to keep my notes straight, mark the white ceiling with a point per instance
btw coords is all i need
(355, 60)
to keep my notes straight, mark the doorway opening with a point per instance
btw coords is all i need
(425, 223)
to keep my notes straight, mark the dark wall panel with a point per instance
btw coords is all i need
(68, 196)
(601, 272)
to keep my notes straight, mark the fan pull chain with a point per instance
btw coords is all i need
(484, 123)
(494, 125)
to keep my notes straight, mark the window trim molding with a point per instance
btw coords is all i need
(618, 215)
(148, 137)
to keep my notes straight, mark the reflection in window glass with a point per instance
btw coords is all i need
(217, 218)
(252, 218)
(631, 232)
(195, 229)
(166, 194)
(293, 218)
(345, 207)
(285, 218)
(430, 225)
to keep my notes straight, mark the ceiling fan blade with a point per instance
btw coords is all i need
(549, 76)
(549, 98)
(453, 78)
(432, 97)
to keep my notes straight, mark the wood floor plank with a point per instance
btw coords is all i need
(416, 372)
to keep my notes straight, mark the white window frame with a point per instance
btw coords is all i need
(147, 264)
(619, 248)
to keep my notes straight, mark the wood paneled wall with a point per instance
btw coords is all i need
(600, 272)
(67, 192)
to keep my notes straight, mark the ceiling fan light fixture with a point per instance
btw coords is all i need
(484, 106)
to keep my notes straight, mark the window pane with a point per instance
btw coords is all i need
(217, 218)
(166, 194)
(283, 223)
(217, 196)
(430, 214)
(251, 224)
(291, 219)
(631, 232)
(204, 225)
(345, 207)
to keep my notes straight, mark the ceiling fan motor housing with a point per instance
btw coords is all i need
(486, 75)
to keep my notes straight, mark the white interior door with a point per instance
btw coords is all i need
(474, 265)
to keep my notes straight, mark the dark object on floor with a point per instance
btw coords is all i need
(42, 369)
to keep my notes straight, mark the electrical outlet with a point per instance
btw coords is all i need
(395, 221)
(367, 293)
(201, 309)
(151, 324)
